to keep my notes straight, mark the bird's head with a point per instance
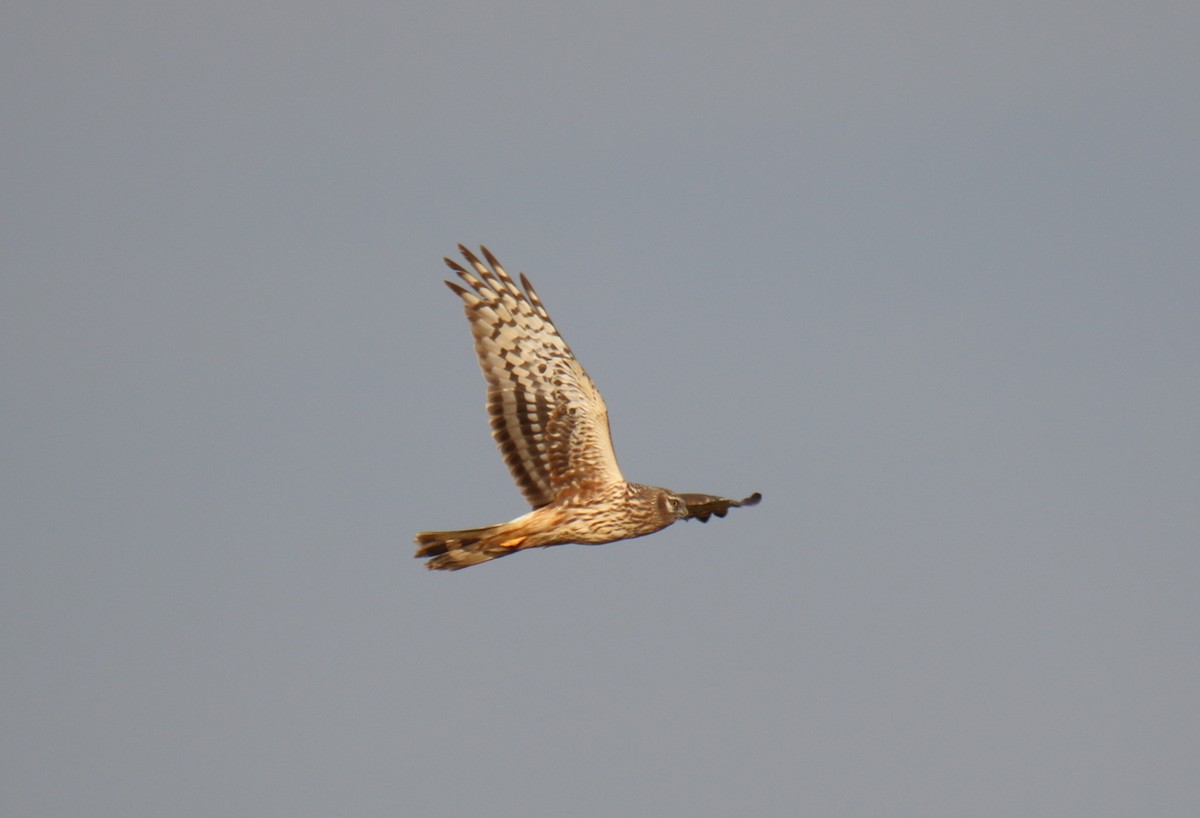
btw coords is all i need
(672, 506)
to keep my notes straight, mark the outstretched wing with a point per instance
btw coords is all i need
(547, 416)
(702, 506)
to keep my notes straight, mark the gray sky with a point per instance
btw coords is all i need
(925, 274)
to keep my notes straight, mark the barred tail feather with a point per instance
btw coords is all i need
(452, 550)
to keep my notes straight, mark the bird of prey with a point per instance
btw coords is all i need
(551, 427)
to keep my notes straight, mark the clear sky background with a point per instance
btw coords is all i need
(926, 274)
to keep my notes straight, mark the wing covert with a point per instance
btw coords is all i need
(548, 419)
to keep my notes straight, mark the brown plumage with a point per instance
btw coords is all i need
(551, 426)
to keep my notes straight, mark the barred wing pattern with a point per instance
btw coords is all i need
(547, 417)
(552, 428)
(702, 506)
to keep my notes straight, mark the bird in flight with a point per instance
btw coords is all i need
(551, 427)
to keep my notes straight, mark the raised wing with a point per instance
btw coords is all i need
(547, 416)
(702, 506)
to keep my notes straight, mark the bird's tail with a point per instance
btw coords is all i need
(451, 550)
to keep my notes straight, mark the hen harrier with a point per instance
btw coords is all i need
(551, 426)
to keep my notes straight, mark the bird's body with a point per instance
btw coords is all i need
(551, 426)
